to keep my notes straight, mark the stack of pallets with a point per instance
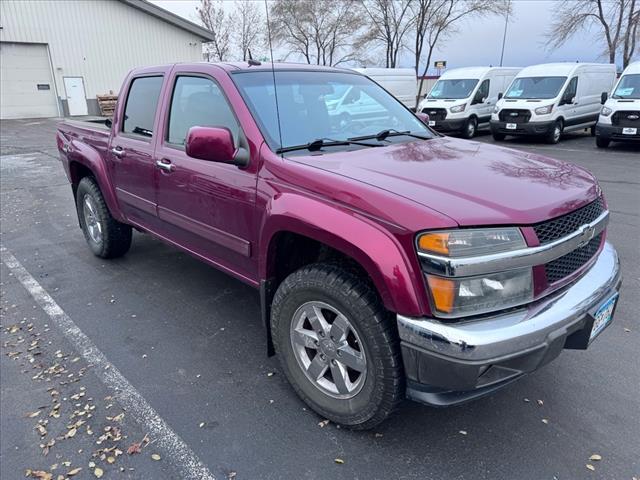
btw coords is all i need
(107, 104)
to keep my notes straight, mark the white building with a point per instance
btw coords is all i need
(57, 55)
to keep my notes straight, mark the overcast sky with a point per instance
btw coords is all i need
(479, 42)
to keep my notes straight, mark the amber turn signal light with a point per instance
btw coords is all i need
(436, 242)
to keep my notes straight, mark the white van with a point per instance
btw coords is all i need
(619, 118)
(402, 83)
(552, 98)
(462, 99)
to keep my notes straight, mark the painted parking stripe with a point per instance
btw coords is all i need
(176, 451)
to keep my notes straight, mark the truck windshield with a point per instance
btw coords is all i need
(330, 106)
(535, 87)
(628, 87)
(453, 89)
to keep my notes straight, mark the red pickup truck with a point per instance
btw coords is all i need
(391, 261)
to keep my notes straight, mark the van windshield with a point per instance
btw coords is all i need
(453, 89)
(628, 87)
(535, 87)
(331, 106)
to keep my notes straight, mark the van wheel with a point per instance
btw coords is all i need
(602, 142)
(470, 128)
(554, 135)
(337, 345)
(107, 238)
(499, 137)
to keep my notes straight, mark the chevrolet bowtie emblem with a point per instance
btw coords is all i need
(587, 233)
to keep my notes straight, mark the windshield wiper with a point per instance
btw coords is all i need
(319, 143)
(390, 132)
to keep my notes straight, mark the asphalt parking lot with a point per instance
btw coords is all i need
(188, 340)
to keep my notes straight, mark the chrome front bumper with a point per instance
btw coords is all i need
(449, 363)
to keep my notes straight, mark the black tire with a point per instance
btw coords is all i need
(555, 133)
(115, 238)
(499, 137)
(470, 128)
(602, 142)
(383, 385)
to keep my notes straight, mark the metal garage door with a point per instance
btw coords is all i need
(26, 86)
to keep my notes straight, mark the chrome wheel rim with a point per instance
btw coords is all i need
(328, 350)
(471, 129)
(556, 133)
(91, 219)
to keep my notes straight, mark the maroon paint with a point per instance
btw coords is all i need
(210, 143)
(368, 204)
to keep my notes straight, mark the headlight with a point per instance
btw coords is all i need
(457, 297)
(544, 110)
(471, 242)
(606, 111)
(458, 108)
(496, 109)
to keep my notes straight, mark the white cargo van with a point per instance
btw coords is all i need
(462, 99)
(402, 83)
(619, 118)
(548, 99)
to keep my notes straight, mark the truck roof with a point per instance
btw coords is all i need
(239, 66)
(563, 69)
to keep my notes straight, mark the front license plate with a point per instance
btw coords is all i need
(603, 316)
(629, 131)
(511, 126)
(432, 123)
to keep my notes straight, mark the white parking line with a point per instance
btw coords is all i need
(176, 451)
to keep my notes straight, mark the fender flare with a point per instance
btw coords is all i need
(91, 158)
(355, 235)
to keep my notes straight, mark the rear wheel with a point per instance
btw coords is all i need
(106, 237)
(499, 137)
(602, 142)
(470, 128)
(555, 133)
(337, 345)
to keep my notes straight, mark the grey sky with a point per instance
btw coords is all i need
(478, 42)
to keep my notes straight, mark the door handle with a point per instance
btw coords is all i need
(118, 152)
(165, 165)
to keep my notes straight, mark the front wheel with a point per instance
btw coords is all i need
(470, 128)
(337, 345)
(555, 133)
(106, 237)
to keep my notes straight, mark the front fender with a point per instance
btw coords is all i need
(374, 247)
(92, 159)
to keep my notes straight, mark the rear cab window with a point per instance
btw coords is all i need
(140, 108)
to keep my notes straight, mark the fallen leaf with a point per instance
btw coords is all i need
(540, 402)
(201, 424)
(270, 374)
(71, 433)
(378, 435)
(339, 461)
(155, 457)
(595, 457)
(134, 448)
(323, 423)
(627, 330)
(591, 467)
(463, 432)
(111, 459)
(526, 400)
(33, 414)
(231, 475)
(545, 421)
(98, 472)
(39, 474)
(73, 472)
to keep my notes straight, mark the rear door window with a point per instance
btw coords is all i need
(141, 106)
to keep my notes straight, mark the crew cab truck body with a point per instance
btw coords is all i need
(549, 99)
(619, 118)
(462, 99)
(391, 261)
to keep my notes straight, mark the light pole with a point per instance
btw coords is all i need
(504, 36)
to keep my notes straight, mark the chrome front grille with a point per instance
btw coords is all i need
(562, 226)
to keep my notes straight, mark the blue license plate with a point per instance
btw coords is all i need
(603, 316)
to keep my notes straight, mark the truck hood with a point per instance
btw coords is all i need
(472, 183)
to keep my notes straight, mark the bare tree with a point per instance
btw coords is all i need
(250, 26)
(390, 22)
(434, 20)
(617, 20)
(212, 15)
(324, 32)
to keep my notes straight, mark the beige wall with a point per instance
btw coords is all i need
(99, 40)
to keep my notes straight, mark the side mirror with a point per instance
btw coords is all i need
(500, 95)
(108, 123)
(423, 117)
(215, 144)
(604, 97)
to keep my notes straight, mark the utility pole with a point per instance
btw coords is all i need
(504, 36)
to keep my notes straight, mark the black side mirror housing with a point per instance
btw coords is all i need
(604, 97)
(500, 95)
(108, 122)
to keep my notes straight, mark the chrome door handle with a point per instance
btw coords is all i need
(118, 152)
(165, 165)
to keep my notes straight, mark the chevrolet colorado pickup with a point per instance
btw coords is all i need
(391, 261)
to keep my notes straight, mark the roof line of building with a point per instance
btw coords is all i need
(169, 17)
